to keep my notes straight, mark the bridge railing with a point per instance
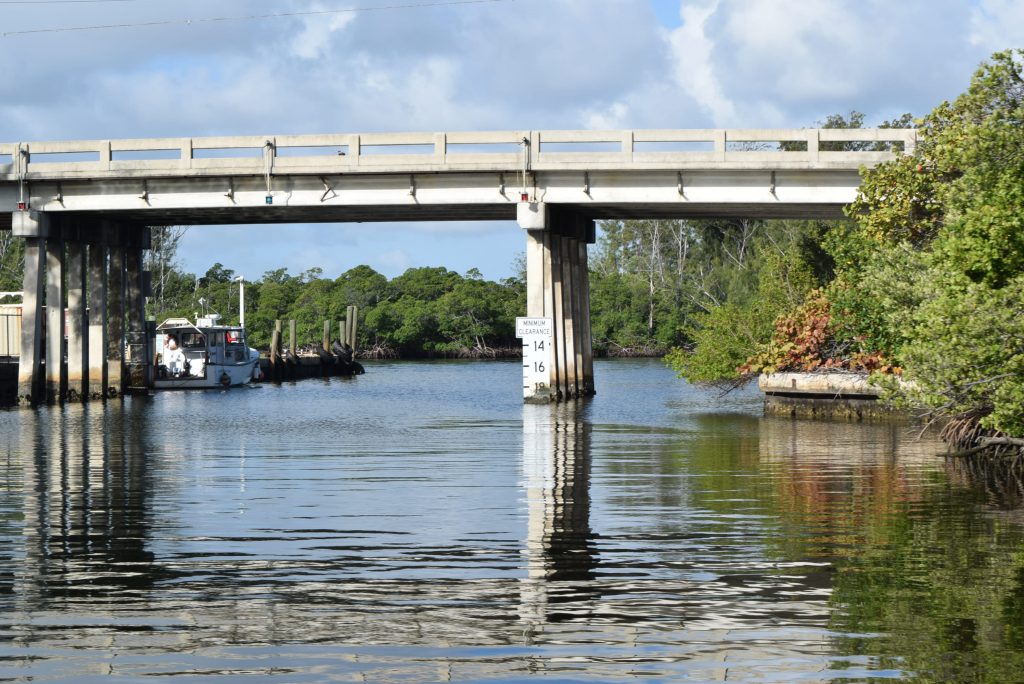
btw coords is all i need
(10, 332)
(507, 151)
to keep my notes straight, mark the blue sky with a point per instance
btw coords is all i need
(507, 64)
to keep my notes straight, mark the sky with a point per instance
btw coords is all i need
(163, 69)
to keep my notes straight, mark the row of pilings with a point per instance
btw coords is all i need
(83, 328)
(327, 359)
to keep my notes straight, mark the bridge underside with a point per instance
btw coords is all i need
(790, 193)
(449, 212)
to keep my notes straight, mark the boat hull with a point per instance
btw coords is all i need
(218, 376)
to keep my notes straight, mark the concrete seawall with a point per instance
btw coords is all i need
(844, 396)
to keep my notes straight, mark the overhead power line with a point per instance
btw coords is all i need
(58, 2)
(249, 17)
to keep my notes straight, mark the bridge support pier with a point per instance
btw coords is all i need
(557, 287)
(56, 368)
(90, 308)
(97, 285)
(77, 323)
(115, 314)
(30, 367)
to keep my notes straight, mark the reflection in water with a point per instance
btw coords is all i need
(559, 544)
(1001, 479)
(354, 531)
(84, 505)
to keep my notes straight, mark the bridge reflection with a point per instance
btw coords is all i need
(85, 490)
(562, 542)
(560, 551)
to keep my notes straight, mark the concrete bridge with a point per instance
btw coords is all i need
(85, 207)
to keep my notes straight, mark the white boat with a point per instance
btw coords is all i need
(202, 355)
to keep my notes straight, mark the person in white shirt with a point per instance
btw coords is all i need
(173, 357)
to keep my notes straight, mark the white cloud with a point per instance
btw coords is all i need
(762, 63)
(317, 34)
(997, 24)
(532, 64)
(615, 116)
(694, 69)
(394, 261)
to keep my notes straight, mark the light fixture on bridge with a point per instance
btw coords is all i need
(270, 199)
(22, 206)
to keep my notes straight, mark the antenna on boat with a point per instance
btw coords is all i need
(241, 301)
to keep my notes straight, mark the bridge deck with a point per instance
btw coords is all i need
(447, 176)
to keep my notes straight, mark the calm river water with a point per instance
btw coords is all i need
(419, 523)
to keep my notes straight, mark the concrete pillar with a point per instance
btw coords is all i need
(56, 371)
(97, 321)
(78, 323)
(538, 296)
(30, 367)
(558, 287)
(535, 255)
(586, 337)
(553, 265)
(570, 335)
(137, 346)
(115, 315)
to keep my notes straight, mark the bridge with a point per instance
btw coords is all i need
(85, 209)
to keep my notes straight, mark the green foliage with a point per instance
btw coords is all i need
(748, 288)
(476, 313)
(722, 338)
(985, 232)
(726, 336)
(424, 284)
(932, 273)
(966, 352)
(873, 296)
(12, 260)
(807, 339)
(654, 283)
(618, 311)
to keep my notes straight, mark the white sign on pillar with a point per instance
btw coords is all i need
(536, 334)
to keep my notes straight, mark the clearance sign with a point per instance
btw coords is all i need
(536, 334)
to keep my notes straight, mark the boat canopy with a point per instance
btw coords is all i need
(177, 323)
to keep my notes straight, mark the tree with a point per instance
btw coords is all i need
(12, 261)
(475, 315)
(161, 262)
(952, 215)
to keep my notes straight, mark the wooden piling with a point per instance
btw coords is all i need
(354, 316)
(293, 355)
(327, 337)
(275, 353)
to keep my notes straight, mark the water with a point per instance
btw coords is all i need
(420, 524)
